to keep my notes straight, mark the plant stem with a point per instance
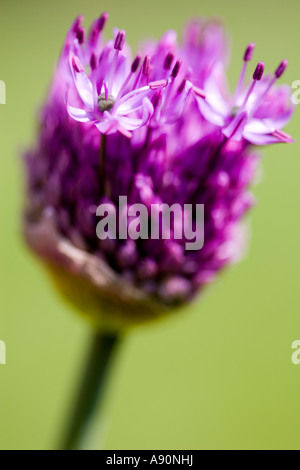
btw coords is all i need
(92, 389)
(102, 157)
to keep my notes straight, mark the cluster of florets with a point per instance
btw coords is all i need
(159, 127)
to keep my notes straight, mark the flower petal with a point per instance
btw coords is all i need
(82, 82)
(109, 125)
(133, 101)
(80, 115)
(266, 139)
(131, 124)
(236, 128)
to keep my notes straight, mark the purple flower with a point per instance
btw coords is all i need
(256, 113)
(189, 144)
(109, 97)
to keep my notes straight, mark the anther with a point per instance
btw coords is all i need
(135, 64)
(158, 84)
(77, 23)
(281, 68)
(93, 61)
(258, 72)
(199, 92)
(182, 86)
(77, 65)
(120, 40)
(80, 35)
(257, 75)
(176, 68)
(102, 21)
(249, 52)
(146, 65)
(247, 57)
(168, 61)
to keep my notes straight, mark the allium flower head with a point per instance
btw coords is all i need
(161, 129)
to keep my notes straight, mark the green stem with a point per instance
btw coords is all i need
(91, 391)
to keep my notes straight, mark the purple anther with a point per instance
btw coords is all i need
(249, 52)
(258, 72)
(146, 65)
(93, 61)
(120, 40)
(176, 68)
(281, 68)
(136, 63)
(168, 61)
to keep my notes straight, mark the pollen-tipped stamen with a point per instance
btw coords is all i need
(199, 92)
(77, 65)
(168, 61)
(158, 84)
(277, 74)
(134, 67)
(174, 73)
(120, 40)
(118, 46)
(93, 61)
(257, 76)
(247, 57)
(97, 29)
(176, 68)
(282, 136)
(80, 35)
(146, 66)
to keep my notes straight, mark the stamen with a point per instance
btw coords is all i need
(257, 75)
(97, 28)
(281, 68)
(247, 57)
(134, 67)
(120, 40)
(258, 72)
(168, 61)
(93, 61)
(199, 92)
(182, 86)
(157, 106)
(142, 77)
(77, 23)
(282, 136)
(277, 74)
(136, 63)
(77, 65)
(249, 52)
(146, 66)
(171, 80)
(158, 99)
(80, 35)
(176, 68)
(158, 84)
(102, 21)
(119, 43)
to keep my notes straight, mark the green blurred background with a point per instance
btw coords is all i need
(218, 376)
